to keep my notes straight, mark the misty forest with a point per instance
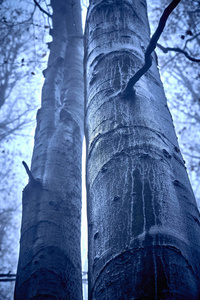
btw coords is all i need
(100, 149)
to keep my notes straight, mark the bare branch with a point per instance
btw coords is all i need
(44, 11)
(151, 47)
(167, 49)
(31, 178)
(192, 38)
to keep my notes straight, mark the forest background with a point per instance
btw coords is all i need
(24, 38)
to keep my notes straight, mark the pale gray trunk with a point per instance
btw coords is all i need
(50, 261)
(143, 222)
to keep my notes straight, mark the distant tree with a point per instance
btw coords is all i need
(18, 64)
(21, 56)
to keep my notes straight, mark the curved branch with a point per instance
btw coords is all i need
(152, 46)
(167, 49)
(192, 38)
(44, 11)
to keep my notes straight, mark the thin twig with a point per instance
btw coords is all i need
(44, 11)
(167, 49)
(191, 39)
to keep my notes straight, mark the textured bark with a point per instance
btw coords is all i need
(143, 222)
(50, 261)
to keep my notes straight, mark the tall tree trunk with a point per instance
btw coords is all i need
(143, 222)
(50, 260)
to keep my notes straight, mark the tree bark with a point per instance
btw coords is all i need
(50, 259)
(143, 221)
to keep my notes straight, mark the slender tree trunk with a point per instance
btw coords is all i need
(143, 222)
(50, 260)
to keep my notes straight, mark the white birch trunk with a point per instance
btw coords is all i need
(143, 222)
(50, 259)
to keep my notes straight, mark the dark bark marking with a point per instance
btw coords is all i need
(179, 159)
(96, 235)
(177, 149)
(104, 169)
(116, 198)
(179, 184)
(166, 154)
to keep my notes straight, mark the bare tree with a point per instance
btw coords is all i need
(50, 260)
(143, 221)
